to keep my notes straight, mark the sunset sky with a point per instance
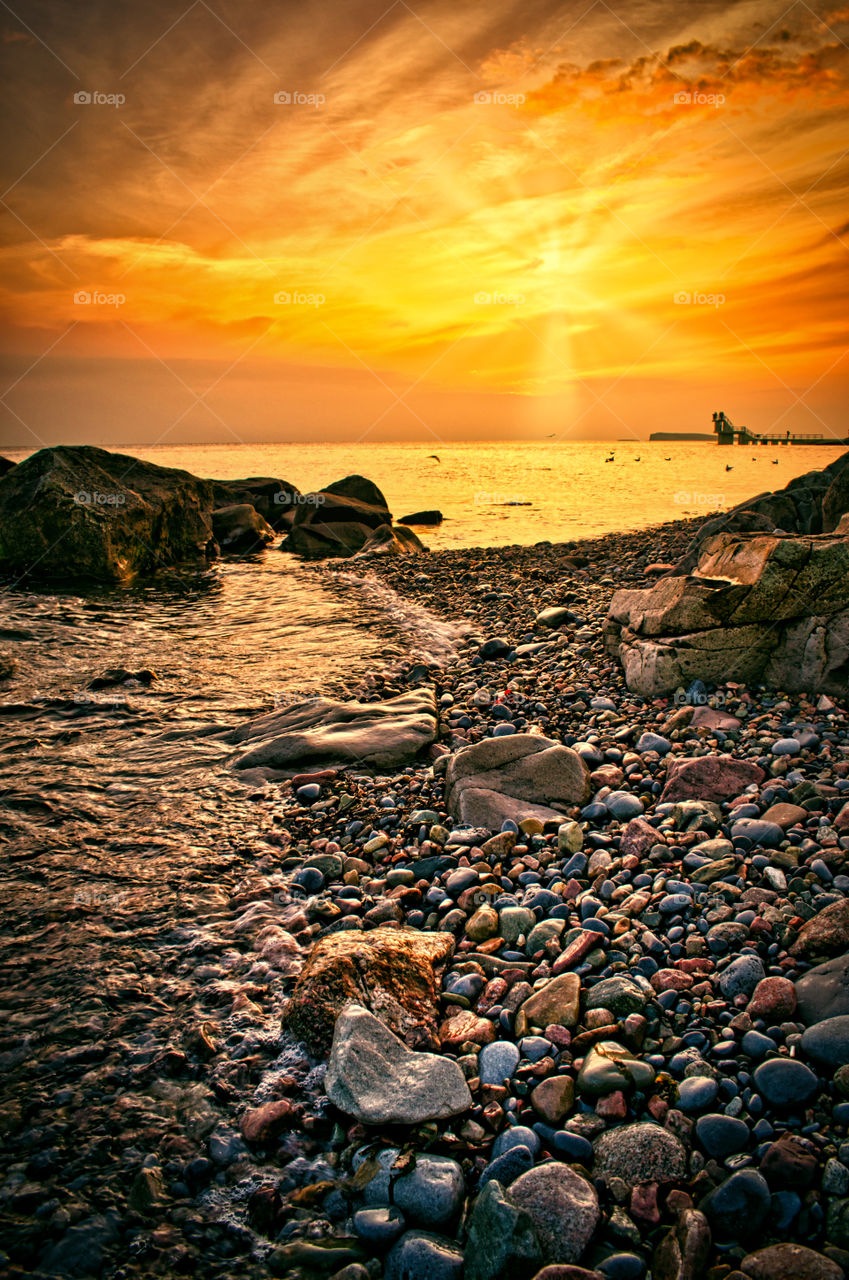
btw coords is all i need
(455, 222)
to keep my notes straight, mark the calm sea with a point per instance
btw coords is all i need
(495, 494)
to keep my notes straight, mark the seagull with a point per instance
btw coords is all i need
(435, 458)
(775, 462)
(729, 468)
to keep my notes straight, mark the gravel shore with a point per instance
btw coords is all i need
(657, 1086)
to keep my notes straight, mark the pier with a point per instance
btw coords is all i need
(727, 433)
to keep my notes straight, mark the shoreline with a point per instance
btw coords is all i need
(252, 1172)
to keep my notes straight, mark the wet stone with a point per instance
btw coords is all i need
(420, 1255)
(562, 1206)
(785, 1082)
(737, 1208)
(639, 1153)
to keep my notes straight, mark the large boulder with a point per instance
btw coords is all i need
(760, 607)
(826, 934)
(275, 500)
(395, 973)
(375, 1078)
(81, 512)
(240, 528)
(835, 502)
(320, 540)
(320, 732)
(344, 518)
(519, 776)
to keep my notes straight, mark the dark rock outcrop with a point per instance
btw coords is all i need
(835, 503)
(422, 518)
(6, 464)
(320, 731)
(345, 518)
(240, 528)
(810, 503)
(82, 512)
(275, 500)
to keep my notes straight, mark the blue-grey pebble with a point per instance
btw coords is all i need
(721, 1135)
(785, 1082)
(695, 1093)
(786, 747)
(757, 1045)
(421, 1255)
(623, 805)
(768, 834)
(622, 1266)
(381, 1225)
(736, 1209)
(498, 1061)
(432, 1193)
(741, 976)
(516, 1136)
(506, 1168)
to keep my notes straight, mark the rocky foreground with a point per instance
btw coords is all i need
(551, 980)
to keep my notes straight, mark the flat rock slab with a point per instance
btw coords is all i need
(320, 732)
(396, 973)
(757, 606)
(375, 1078)
(517, 777)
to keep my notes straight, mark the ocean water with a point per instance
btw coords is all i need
(498, 493)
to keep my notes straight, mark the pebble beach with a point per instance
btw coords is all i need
(647, 1000)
